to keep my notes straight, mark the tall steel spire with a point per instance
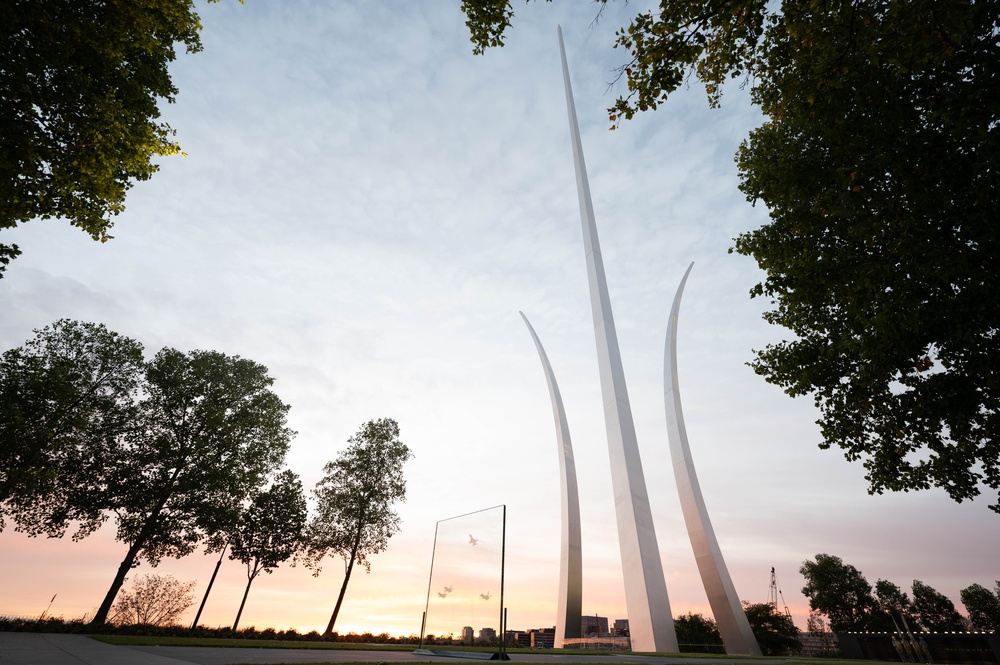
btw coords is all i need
(651, 625)
(729, 615)
(570, 604)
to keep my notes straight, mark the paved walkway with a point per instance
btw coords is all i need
(60, 649)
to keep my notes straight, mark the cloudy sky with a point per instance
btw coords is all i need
(364, 208)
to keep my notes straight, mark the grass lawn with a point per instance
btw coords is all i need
(125, 640)
(147, 641)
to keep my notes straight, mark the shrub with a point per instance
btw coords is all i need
(155, 600)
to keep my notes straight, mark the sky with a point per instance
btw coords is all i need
(364, 207)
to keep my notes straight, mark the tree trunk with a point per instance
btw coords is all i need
(246, 593)
(209, 589)
(102, 613)
(343, 587)
(140, 541)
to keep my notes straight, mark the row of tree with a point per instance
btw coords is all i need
(183, 450)
(849, 602)
(842, 599)
(775, 631)
(354, 514)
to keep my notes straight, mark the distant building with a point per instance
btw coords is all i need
(620, 627)
(518, 638)
(593, 626)
(467, 635)
(542, 638)
(487, 634)
(594, 634)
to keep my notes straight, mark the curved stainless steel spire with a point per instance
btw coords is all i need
(651, 626)
(570, 611)
(732, 621)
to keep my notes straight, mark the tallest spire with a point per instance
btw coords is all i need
(651, 626)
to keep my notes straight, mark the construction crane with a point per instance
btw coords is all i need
(774, 594)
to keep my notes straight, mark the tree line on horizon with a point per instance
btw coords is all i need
(775, 632)
(839, 593)
(50, 624)
(842, 600)
(184, 449)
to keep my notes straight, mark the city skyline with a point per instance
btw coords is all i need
(364, 208)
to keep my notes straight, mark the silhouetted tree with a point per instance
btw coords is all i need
(841, 592)
(354, 502)
(64, 396)
(270, 530)
(154, 600)
(694, 630)
(775, 632)
(171, 446)
(896, 604)
(983, 606)
(935, 610)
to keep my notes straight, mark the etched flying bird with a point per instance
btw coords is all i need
(485, 596)
(473, 541)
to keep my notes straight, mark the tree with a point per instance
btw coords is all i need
(209, 433)
(155, 600)
(841, 592)
(983, 606)
(896, 604)
(886, 280)
(775, 632)
(354, 516)
(935, 611)
(270, 530)
(81, 85)
(61, 395)
(877, 162)
(7, 254)
(171, 446)
(696, 630)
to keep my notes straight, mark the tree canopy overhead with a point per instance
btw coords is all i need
(878, 161)
(80, 84)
